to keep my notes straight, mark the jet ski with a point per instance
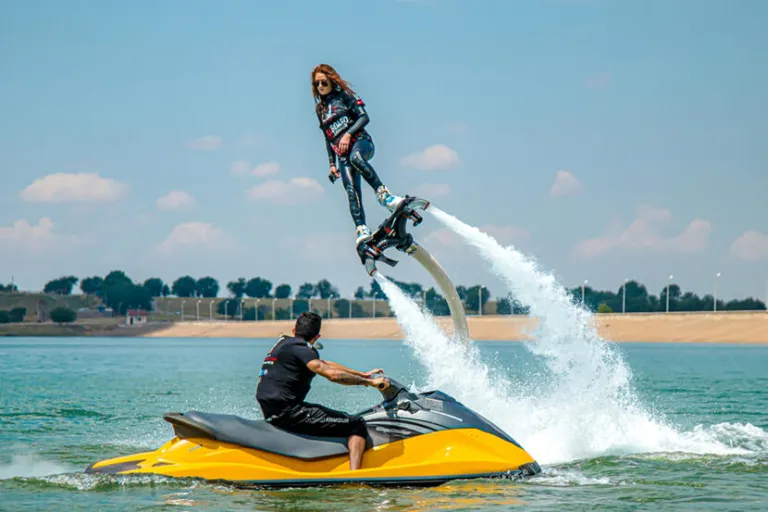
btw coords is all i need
(414, 439)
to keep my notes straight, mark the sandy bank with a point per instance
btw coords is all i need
(721, 327)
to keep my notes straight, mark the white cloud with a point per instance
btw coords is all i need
(431, 190)
(23, 235)
(192, 236)
(205, 143)
(285, 192)
(61, 187)
(243, 167)
(751, 246)
(565, 184)
(265, 169)
(432, 158)
(643, 236)
(175, 200)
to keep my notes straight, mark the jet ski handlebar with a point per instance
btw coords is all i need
(394, 390)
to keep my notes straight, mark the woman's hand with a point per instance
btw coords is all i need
(334, 172)
(344, 143)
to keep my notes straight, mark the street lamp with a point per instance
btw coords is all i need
(273, 310)
(716, 276)
(624, 297)
(242, 304)
(197, 310)
(182, 310)
(479, 301)
(668, 281)
(210, 311)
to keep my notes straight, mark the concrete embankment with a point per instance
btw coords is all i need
(721, 327)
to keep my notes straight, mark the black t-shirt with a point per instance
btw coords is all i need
(284, 378)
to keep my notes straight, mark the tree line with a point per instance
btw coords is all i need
(119, 292)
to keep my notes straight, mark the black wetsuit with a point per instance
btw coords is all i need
(344, 112)
(284, 382)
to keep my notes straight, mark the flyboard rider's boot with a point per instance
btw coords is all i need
(363, 234)
(386, 199)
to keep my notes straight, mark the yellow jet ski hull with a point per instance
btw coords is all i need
(427, 459)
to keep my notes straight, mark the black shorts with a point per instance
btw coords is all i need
(316, 420)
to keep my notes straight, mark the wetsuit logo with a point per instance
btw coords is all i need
(339, 125)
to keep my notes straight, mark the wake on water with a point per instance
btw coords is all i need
(587, 408)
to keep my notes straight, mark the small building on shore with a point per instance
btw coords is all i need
(136, 317)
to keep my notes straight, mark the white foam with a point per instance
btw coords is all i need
(32, 466)
(586, 406)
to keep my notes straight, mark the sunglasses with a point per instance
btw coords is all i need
(324, 83)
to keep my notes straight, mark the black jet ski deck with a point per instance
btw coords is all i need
(392, 233)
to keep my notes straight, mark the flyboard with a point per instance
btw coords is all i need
(391, 233)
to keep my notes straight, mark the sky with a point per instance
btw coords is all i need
(607, 140)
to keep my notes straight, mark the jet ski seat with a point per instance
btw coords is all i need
(256, 434)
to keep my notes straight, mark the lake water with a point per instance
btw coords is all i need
(690, 433)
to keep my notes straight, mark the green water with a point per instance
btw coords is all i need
(69, 402)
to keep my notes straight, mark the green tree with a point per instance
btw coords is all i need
(300, 306)
(604, 308)
(360, 293)
(674, 298)
(61, 286)
(92, 285)
(5, 317)
(116, 277)
(326, 290)
(343, 306)
(258, 288)
(62, 315)
(207, 287)
(155, 286)
(17, 314)
(283, 291)
(185, 286)
(237, 288)
(748, 304)
(474, 295)
(504, 306)
(230, 307)
(436, 303)
(376, 292)
(306, 291)
(123, 296)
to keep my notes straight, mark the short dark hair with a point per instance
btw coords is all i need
(308, 325)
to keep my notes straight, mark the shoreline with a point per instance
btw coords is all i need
(741, 327)
(695, 327)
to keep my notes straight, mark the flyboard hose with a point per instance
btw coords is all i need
(420, 254)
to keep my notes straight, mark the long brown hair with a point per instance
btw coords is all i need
(335, 80)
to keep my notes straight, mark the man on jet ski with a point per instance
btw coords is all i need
(284, 381)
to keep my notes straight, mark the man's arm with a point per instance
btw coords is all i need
(353, 372)
(338, 374)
